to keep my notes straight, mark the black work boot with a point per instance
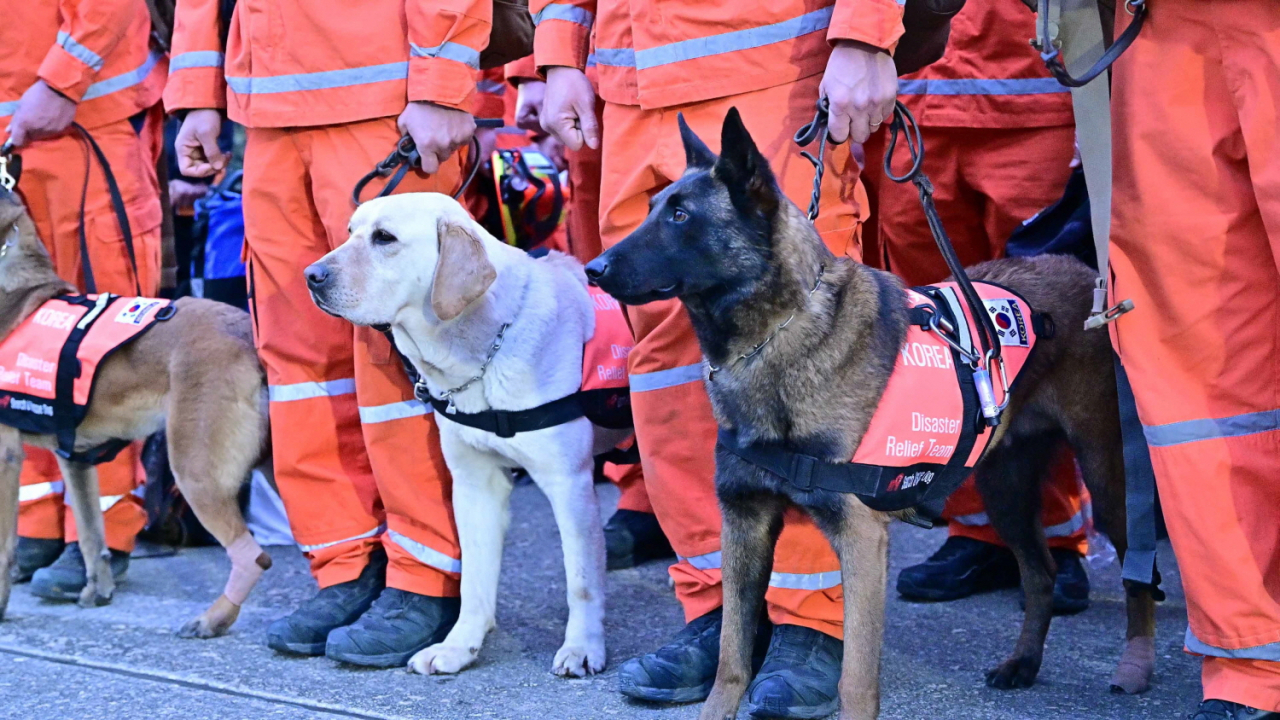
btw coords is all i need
(683, 670)
(800, 677)
(306, 630)
(396, 627)
(960, 568)
(1071, 586)
(1223, 710)
(34, 554)
(65, 578)
(633, 538)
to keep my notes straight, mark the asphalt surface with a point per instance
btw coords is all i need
(122, 662)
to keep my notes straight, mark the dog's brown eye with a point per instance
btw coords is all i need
(679, 215)
(382, 237)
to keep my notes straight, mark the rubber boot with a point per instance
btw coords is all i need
(633, 538)
(306, 630)
(35, 554)
(1223, 710)
(800, 677)
(65, 578)
(1071, 586)
(960, 568)
(394, 629)
(684, 669)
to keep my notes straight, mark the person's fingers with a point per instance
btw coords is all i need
(17, 134)
(209, 145)
(838, 122)
(562, 125)
(192, 162)
(588, 124)
(429, 160)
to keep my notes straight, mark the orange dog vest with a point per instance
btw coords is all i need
(928, 431)
(48, 365)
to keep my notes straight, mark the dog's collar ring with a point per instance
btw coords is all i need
(447, 395)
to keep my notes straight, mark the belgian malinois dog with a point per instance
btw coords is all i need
(743, 259)
(195, 375)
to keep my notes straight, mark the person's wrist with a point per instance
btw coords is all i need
(859, 45)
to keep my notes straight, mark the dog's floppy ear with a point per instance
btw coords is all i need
(463, 272)
(696, 152)
(742, 167)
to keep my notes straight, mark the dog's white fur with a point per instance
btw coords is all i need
(550, 315)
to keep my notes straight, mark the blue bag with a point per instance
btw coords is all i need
(217, 271)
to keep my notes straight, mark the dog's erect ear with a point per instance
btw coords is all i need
(742, 167)
(463, 272)
(696, 152)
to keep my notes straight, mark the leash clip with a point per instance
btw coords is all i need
(7, 180)
(1102, 315)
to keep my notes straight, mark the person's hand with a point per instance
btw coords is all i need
(437, 131)
(42, 113)
(487, 140)
(529, 97)
(553, 150)
(861, 83)
(183, 195)
(569, 109)
(197, 144)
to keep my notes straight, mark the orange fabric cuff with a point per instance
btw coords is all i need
(874, 22)
(195, 88)
(522, 69)
(560, 42)
(66, 74)
(441, 81)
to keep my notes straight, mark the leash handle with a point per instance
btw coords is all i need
(819, 126)
(405, 156)
(1053, 58)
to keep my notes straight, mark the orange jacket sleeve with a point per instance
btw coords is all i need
(563, 34)
(490, 88)
(520, 70)
(90, 30)
(196, 63)
(445, 40)
(874, 22)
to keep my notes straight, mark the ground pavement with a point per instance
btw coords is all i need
(122, 662)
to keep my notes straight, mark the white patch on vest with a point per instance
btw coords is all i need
(925, 423)
(49, 318)
(916, 354)
(1011, 328)
(35, 408)
(136, 311)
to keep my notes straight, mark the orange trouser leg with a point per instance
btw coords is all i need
(52, 181)
(1196, 245)
(986, 183)
(674, 425)
(584, 205)
(355, 454)
(630, 480)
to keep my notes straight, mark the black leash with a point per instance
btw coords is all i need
(1053, 58)
(405, 157)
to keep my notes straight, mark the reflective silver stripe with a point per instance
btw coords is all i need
(372, 533)
(79, 52)
(591, 60)
(323, 80)
(424, 554)
(392, 411)
(8, 108)
(1063, 529)
(37, 491)
(449, 51)
(746, 39)
(308, 390)
(805, 581)
(568, 13)
(974, 86)
(492, 87)
(1270, 651)
(661, 379)
(1211, 428)
(124, 81)
(614, 57)
(196, 59)
(710, 561)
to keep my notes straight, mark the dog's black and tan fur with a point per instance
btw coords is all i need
(743, 258)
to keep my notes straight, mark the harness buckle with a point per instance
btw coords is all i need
(502, 424)
(802, 471)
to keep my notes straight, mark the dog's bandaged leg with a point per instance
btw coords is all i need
(1137, 662)
(248, 562)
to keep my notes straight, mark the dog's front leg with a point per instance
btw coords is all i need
(577, 513)
(82, 488)
(862, 543)
(11, 457)
(751, 523)
(481, 491)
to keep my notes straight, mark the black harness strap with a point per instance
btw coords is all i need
(64, 405)
(507, 423)
(117, 205)
(1053, 58)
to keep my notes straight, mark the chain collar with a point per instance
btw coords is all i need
(420, 389)
(713, 369)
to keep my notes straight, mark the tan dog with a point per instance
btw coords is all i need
(195, 375)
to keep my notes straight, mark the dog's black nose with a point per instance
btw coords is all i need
(317, 275)
(597, 269)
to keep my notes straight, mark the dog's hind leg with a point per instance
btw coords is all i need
(861, 540)
(214, 441)
(82, 490)
(1009, 481)
(481, 491)
(751, 523)
(11, 456)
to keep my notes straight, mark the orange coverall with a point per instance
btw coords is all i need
(319, 87)
(97, 53)
(701, 58)
(1196, 245)
(999, 135)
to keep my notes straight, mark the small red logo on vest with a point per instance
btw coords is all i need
(4, 400)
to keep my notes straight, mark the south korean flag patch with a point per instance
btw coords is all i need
(1011, 328)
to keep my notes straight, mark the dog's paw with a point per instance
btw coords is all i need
(442, 659)
(1014, 673)
(201, 628)
(91, 596)
(578, 661)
